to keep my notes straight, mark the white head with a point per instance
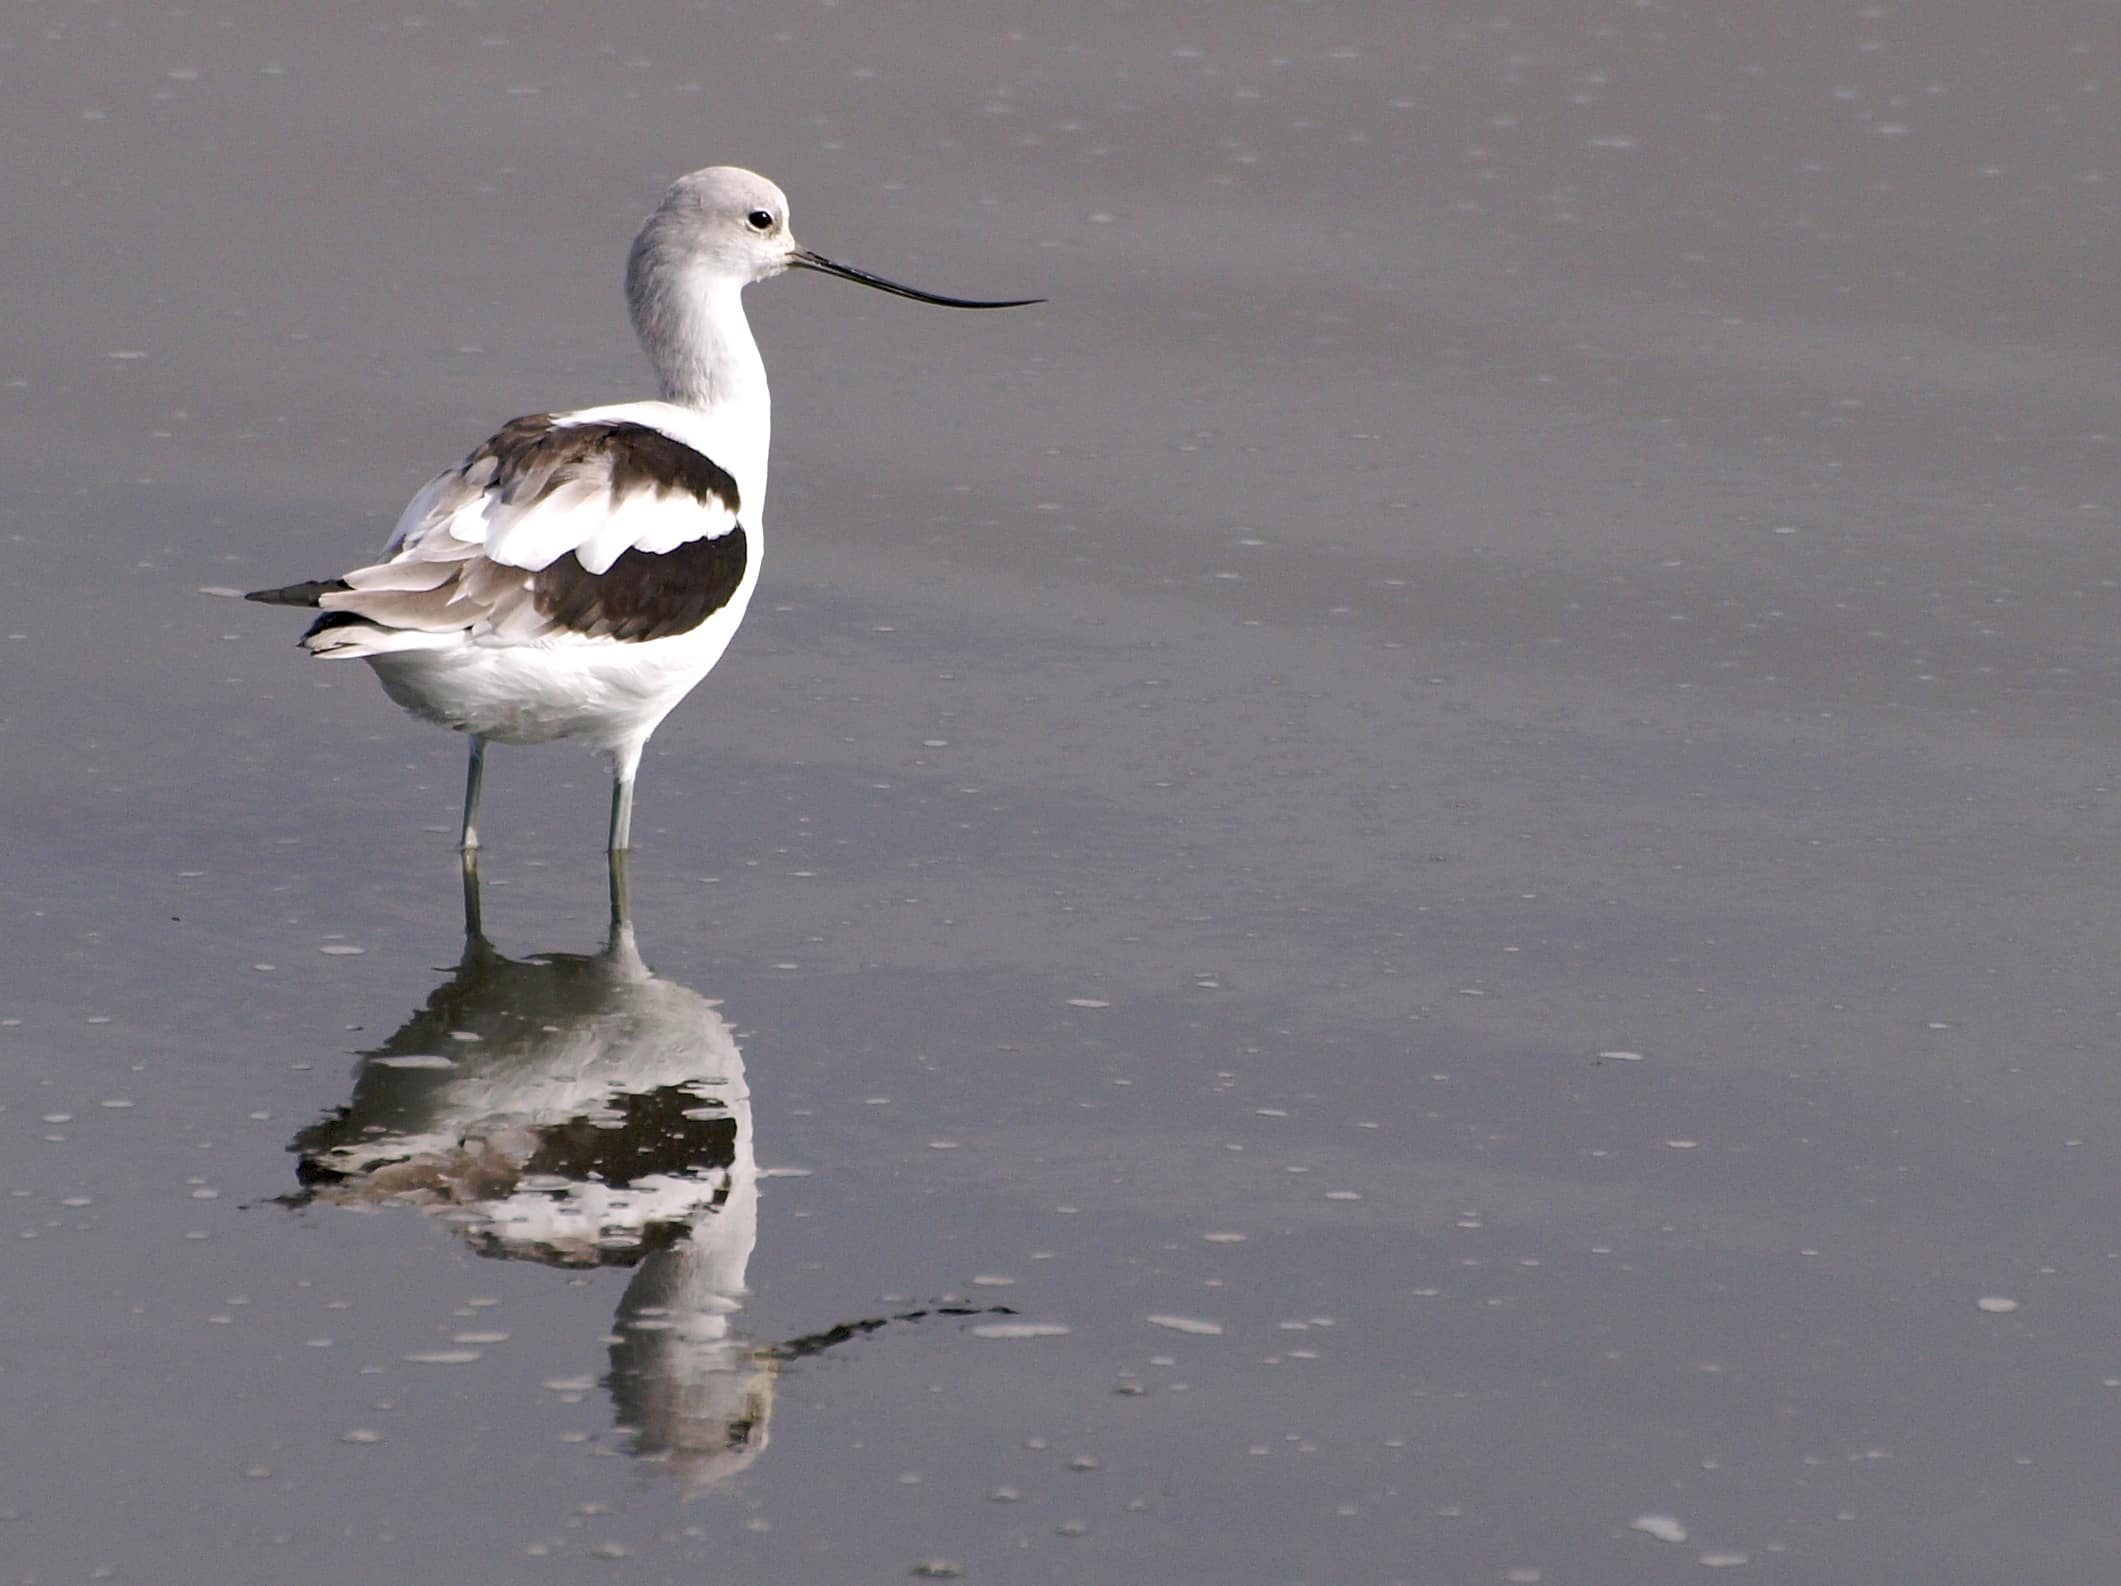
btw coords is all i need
(715, 232)
(725, 223)
(728, 224)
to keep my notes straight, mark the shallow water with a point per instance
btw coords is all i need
(1417, 889)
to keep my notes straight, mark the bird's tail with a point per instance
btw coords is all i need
(311, 593)
(339, 633)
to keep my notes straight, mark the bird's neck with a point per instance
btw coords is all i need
(696, 336)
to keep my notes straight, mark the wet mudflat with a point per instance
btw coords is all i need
(1419, 889)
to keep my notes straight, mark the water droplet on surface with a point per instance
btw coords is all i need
(1664, 1527)
(1186, 1324)
(1019, 1329)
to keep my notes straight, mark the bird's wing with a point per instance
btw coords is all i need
(604, 528)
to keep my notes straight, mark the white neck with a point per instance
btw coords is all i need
(691, 324)
(695, 334)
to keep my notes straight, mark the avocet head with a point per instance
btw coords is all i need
(731, 223)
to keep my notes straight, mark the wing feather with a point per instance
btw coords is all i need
(511, 546)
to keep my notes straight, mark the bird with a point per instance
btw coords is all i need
(589, 1114)
(580, 572)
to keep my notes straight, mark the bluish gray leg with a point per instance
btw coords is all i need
(624, 763)
(474, 927)
(473, 780)
(621, 894)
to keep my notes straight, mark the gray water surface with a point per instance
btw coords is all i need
(1417, 889)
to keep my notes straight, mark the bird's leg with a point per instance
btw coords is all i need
(474, 926)
(474, 778)
(625, 762)
(621, 894)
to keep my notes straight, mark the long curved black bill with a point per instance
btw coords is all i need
(804, 259)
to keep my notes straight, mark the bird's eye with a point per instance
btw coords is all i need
(760, 219)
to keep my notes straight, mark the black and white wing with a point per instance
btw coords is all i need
(557, 528)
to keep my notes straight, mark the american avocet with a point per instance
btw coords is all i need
(578, 573)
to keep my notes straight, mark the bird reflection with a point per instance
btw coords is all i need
(581, 1111)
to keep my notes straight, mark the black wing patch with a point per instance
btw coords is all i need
(438, 583)
(644, 595)
(532, 455)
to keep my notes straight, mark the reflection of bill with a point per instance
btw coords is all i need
(579, 1110)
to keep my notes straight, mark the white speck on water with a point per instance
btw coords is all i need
(1012, 1330)
(1343, 1195)
(1683, 1145)
(569, 1384)
(1224, 1238)
(415, 1060)
(1087, 1002)
(443, 1357)
(342, 949)
(478, 1338)
(1996, 1304)
(361, 1434)
(116, 1103)
(1664, 1527)
(1723, 1560)
(992, 1280)
(1186, 1324)
(1621, 1057)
